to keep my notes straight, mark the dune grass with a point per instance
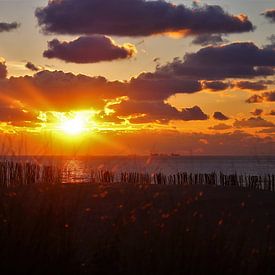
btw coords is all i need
(136, 229)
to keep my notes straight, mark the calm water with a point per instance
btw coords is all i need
(78, 169)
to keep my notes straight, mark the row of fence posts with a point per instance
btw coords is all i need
(25, 173)
(98, 176)
(264, 182)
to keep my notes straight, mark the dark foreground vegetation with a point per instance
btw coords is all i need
(136, 229)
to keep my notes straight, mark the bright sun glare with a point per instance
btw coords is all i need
(75, 125)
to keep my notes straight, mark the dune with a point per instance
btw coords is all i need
(136, 229)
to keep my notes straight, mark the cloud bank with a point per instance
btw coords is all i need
(89, 49)
(136, 18)
(235, 60)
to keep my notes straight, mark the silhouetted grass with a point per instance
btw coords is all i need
(136, 229)
(27, 173)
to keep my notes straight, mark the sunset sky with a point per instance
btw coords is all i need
(93, 77)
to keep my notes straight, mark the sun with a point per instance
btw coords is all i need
(75, 124)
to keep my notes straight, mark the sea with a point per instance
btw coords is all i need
(78, 169)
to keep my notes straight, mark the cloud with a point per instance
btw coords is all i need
(156, 111)
(220, 127)
(208, 39)
(16, 116)
(65, 91)
(156, 86)
(136, 18)
(267, 96)
(220, 116)
(50, 90)
(270, 15)
(270, 130)
(33, 67)
(3, 68)
(89, 49)
(215, 63)
(254, 86)
(255, 99)
(253, 122)
(7, 27)
(271, 45)
(257, 112)
(216, 85)
(235, 60)
(272, 113)
(61, 91)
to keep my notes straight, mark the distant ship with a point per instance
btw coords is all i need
(164, 155)
(154, 155)
(175, 155)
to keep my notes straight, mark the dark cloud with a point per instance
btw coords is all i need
(270, 15)
(267, 96)
(253, 122)
(136, 18)
(257, 112)
(16, 116)
(89, 49)
(32, 67)
(50, 90)
(255, 99)
(3, 68)
(220, 127)
(216, 85)
(272, 113)
(254, 86)
(236, 60)
(220, 116)
(208, 39)
(7, 27)
(160, 86)
(156, 111)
